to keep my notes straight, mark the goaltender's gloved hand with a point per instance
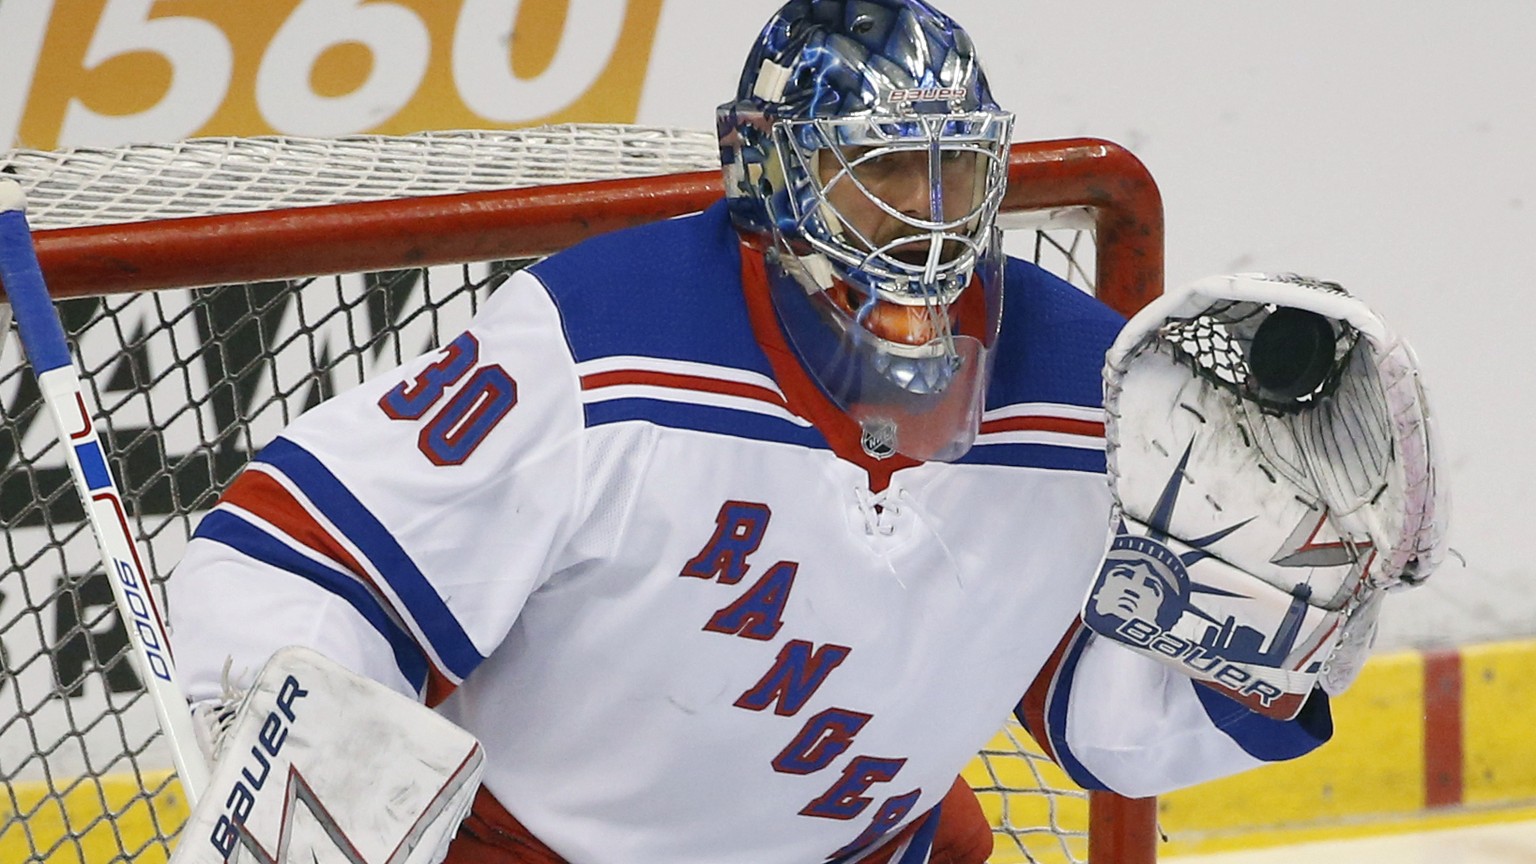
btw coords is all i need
(319, 764)
(1274, 473)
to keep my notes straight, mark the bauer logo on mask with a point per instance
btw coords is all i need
(940, 97)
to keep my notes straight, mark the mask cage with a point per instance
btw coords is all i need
(950, 237)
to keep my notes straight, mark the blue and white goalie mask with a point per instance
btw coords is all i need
(865, 157)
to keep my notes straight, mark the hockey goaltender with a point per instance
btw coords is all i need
(733, 538)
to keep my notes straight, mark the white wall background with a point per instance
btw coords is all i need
(1386, 144)
(1389, 145)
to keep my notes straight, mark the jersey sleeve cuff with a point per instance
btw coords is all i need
(1266, 738)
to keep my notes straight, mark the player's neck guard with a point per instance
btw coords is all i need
(923, 401)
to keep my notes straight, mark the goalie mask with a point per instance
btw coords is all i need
(865, 158)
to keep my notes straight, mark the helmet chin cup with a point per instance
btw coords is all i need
(923, 401)
(938, 426)
(928, 369)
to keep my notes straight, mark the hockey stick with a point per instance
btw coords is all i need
(42, 338)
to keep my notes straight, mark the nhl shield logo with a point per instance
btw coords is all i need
(878, 437)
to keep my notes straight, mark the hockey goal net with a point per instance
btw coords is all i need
(215, 289)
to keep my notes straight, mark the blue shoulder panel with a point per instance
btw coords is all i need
(1050, 351)
(1053, 341)
(669, 289)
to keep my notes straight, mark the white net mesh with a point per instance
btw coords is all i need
(209, 176)
(188, 383)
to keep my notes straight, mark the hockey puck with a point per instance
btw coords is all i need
(1291, 352)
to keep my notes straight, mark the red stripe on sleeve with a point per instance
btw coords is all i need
(679, 381)
(263, 496)
(1064, 425)
(1032, 708)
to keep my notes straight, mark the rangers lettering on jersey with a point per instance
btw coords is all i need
(798, 671)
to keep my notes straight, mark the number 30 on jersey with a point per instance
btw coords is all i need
(482, 396)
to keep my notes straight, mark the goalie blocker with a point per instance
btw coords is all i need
(1271, 459)
(322, 766)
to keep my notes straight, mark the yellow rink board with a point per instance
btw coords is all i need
(1374, 766)
(1499, 713)
(1369, 779)
(94, 821)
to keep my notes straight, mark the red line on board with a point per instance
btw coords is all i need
(1442, 728)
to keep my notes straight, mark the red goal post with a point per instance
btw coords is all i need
(177, 266)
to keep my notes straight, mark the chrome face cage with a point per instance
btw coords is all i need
(954, 245)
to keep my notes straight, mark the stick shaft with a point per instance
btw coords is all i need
(42, 338)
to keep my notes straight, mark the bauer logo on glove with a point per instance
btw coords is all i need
(1270, 456)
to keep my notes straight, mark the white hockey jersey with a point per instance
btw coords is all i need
(602, 532)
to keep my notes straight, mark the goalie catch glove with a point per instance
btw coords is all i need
(1273, 470)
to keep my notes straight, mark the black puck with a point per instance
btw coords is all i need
(1291, 353)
